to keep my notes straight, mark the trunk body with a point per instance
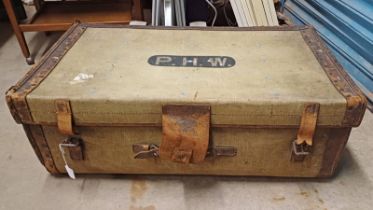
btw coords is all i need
(124, 100)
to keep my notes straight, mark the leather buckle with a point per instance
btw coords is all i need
(186, 130)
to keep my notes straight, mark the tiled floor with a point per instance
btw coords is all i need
(25, 184)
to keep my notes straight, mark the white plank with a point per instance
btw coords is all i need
(236, 13)
(242, 13)
(154, 16)
(178, 13)
(183, 17)
(267, 12)
(249, 18)
(259, 13)
(273, 12)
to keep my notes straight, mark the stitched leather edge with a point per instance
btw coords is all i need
(16, 95)
(355, 100)
(37, 139)
(335, 146)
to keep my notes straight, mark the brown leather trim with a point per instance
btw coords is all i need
(185, 131)
(308, 124)
(11, 106)
(76, 125)
(16, 95)
(335, 146)
(302, 146)
(64, 117)
(356, 101)
(37, 139)
(31, 139)
(255, 28)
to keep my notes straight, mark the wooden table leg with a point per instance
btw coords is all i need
(137, 11)
(19, 34)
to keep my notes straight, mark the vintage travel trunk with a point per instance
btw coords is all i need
(265, 101)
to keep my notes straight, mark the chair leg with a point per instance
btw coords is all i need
(19, 34)
(137, 11)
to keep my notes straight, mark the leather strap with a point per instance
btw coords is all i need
(185, 133)
(302, 146)
(64, 117)
(308, 124)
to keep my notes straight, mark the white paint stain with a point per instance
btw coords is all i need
(80, 78)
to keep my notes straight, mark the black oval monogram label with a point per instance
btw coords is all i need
(192, 61)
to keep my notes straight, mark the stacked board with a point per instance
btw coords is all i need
(254, 12)
(168, 13)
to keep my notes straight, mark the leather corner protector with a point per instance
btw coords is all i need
(19, 108)
(355, 110)
(36, 136)
(12, 108)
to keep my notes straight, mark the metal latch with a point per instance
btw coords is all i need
(301, 149)
(302, 146)
(144, 151)
(225, 151)
(75, 147)
(185, 136)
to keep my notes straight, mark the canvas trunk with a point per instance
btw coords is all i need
(262, 101)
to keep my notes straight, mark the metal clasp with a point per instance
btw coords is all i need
(301, 149)
(143, 151)
(224, 151)
(75, 147)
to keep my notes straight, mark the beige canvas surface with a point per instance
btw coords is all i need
(274, 76)
(260, 152)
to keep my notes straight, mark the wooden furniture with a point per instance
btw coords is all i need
(59, 15)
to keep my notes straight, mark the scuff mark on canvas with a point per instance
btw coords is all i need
(80, 78)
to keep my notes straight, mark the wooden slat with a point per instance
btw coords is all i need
(58, 16)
